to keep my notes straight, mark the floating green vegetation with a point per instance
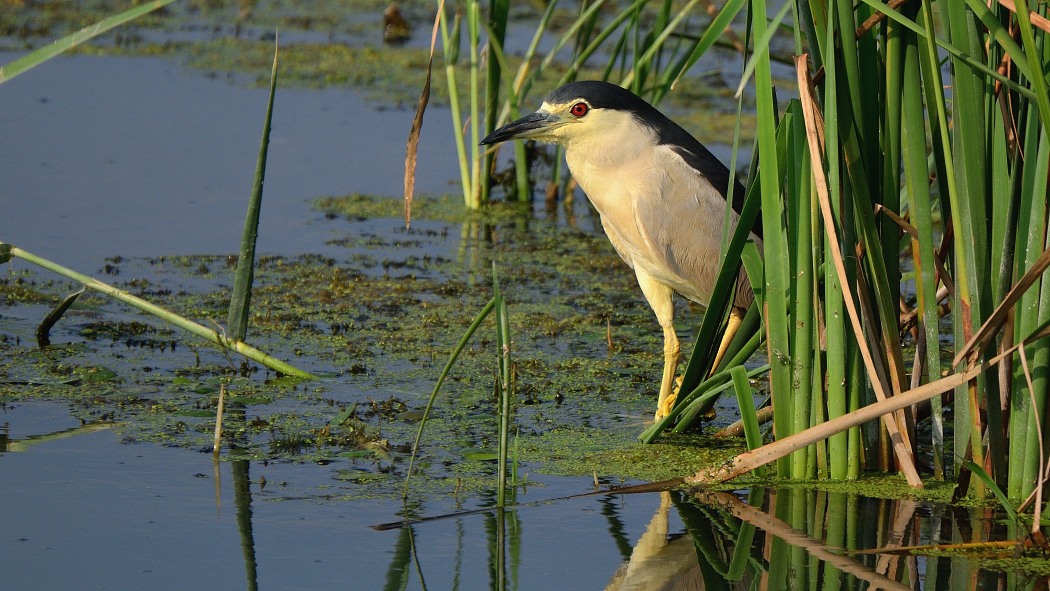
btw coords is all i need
(1035, 566)
(24, 288)
(587, 452)
(378, 313)
(311, 65)
(872, 485)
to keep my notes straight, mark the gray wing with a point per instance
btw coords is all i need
(683, 225)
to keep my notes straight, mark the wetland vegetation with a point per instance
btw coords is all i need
(945, 217)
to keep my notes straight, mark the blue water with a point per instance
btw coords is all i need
(115, 156)
(91, 512)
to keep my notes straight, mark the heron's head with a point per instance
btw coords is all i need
(588, 112)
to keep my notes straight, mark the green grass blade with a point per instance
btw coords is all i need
(241, 298)
(441, 380)
(764, 34)
(35, 58)
(656, 46)
(992, 486)
(707, 40)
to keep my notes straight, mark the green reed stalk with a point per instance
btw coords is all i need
(1024, 437)
(241, 297)
(496, 28)
(744, 539)
(966, 200)
(917, 188)
(1039, 354)
(212, 335)
(450, 40)
(835, 536)
(745, 400)
(473, 46)
(504, 387)
(801, 206)
(511, 106)
(778, 264)
(844, 448)
(516, 90)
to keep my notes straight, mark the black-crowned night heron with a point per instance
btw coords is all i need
(660, 193)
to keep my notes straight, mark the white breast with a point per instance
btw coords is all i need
(663, 217)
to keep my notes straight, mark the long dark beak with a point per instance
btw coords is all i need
(526, 127)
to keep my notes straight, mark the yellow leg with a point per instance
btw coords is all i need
(668, 388)
(661, 299)
(736, 318)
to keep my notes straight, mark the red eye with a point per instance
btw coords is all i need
(579, 109)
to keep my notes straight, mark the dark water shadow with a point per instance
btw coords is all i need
(809, 539)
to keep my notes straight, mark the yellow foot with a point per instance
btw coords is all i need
(663, 408)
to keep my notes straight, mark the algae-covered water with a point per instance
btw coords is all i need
(137, 169)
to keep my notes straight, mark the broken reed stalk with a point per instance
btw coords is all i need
(218, 421)
(217, 338)
(780, 448)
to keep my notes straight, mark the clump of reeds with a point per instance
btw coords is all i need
(897, 197)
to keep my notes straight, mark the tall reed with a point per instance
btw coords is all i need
(902, 193)
(889, 149)
(639, 60)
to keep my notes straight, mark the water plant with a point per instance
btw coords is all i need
(884, 187)
(504, 388)
(855, 188)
